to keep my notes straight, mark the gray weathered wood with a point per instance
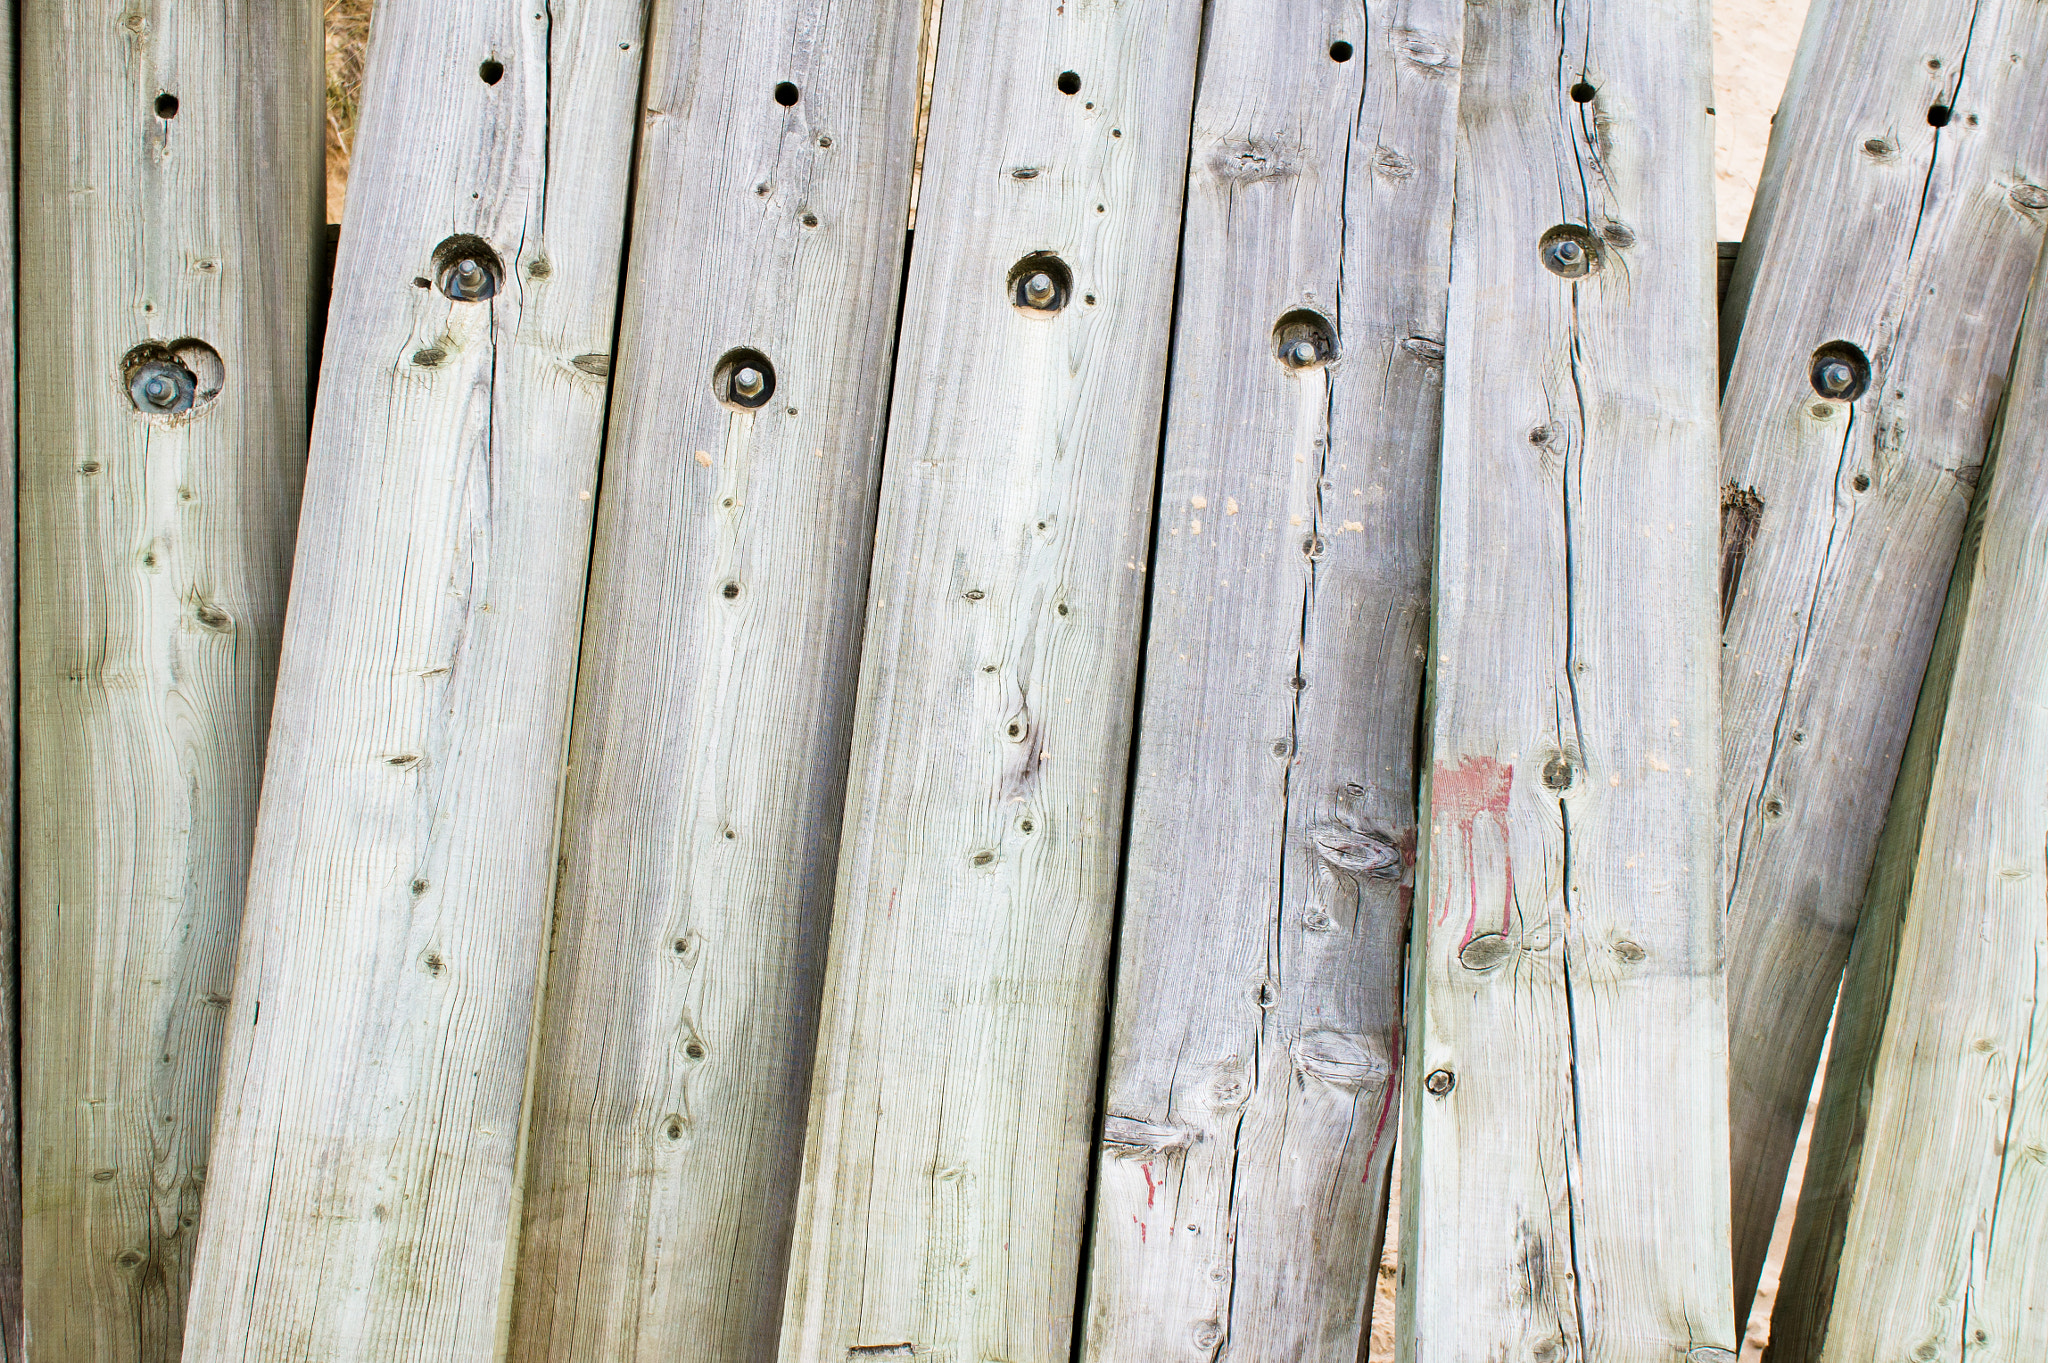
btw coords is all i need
(1565, 1184)
(1249, 1112)
(1923, 1219)
(362, 1197)
(1914, 244)
(715, 701)
(952, 1109)
(12, 1338)
(171, 170)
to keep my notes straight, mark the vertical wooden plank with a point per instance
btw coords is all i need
(13, 1337)
(171, 164)
(952, 1107)
(715, 704)
(1250, 1099)
(362, 1200)
(1923, 1221)
(1568, 1160)
(1902, 248)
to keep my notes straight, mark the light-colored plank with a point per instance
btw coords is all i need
(715, 701)
(1566, 1166)
(1923, 1220)
(13, 1340)
(1911, 243)
(952, 1112)
(362, 1200)
(171, 163)
(1250, 1098)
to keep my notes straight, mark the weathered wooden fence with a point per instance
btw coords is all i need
(838, 792)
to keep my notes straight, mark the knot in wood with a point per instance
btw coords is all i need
(1357, 852)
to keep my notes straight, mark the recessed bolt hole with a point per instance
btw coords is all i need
(170, 380)
(492, 71)
(1839, 371)
(786, 94)
(1569, 251)
(1040, 284)
(1582, 93)
(167, 105)
(1440, 1082)
(743, 379)
(1069, 83)
(1303, 339)
(467, 269)
(1937, 115)
(1340, 51)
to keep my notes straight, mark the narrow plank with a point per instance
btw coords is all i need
(171, 175)
(1567, 1159)
(715, 704)
(1923, 1220)
(1250, 1096)
(363, 1195)
(1910, 243)
(952, 1110)
(13, 1331)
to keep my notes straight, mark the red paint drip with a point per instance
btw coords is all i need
(1462, 794)
(1141, 1229)
(1387, 1098)
(1151, 1188)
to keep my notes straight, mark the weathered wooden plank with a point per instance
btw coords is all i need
(952, 1109)
(715, 703)
(1904, 246)
(1565, 1178)
(1250, 1096)
(13, 1338)
(362, 1200)
(171, 171)
(1923, 1220)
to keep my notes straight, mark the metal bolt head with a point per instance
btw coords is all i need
(468, 280)
(1038, 289)
(162, 387)
(747, 382)
(1302, 354)
(1567, 256)
(1833, 377)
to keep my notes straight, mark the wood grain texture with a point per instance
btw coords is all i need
(715, 701)
(1922, 1230)
(1912, 243)
(362, 1204)
(1250, 1097)
(1565, 1181)
(952, 1112)
(13, 1339)
(156, 550)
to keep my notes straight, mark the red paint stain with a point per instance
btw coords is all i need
(1461, 794)
(1141, 1229)
(1393, 1091)
(1151, 1188)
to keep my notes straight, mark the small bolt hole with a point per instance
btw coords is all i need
(1069, 83)
(786, 94)
(492, 71)
(167, 105)
(1937, 115)
(1582, 93)
(1340, 51)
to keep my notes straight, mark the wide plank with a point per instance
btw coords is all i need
(171, 231)
(1250, 1100)
(953, 1104)
(362, 1203)
(715, 700)
(1900, 248)
(1565, 1177)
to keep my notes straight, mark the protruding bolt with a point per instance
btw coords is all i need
(1833, 377)
(469, 280)
(1038, 289)
(161, 387)
(1302, 354)
(1566, 256)
(747, 383)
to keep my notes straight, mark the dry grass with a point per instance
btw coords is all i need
(348, 29)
